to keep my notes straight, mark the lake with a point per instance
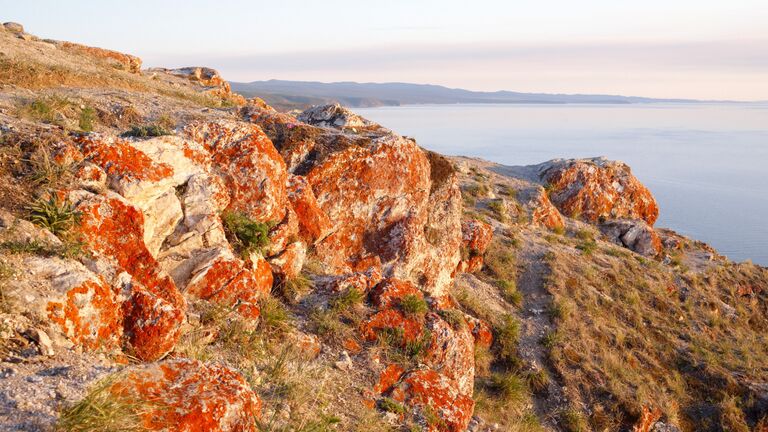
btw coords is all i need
(706, 164)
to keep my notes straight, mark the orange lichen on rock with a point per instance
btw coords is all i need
(546, 214)
(127, 62)
(121, 160)
(598, 189)
(314, 224)
(389, 292)
(155, 311)
(253, 170)
(388, 378)
(427, 389)
(371, 194)
(189, 396)
(476, 236)
(451, 352)
(89, 315)
(647, 419)
(392, 319)
(226, 280)
(482, 332)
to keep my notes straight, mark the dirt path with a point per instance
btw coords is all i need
(535, 323)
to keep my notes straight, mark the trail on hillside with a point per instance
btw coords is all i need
(535, 324)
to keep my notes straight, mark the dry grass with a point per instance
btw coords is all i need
(631, 333)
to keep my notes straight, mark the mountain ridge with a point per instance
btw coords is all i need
(288, 94)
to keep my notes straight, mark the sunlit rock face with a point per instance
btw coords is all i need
(386, 199)
(597, 189)
(189, 396)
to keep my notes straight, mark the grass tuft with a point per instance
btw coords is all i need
(58, 217)
(245, 234)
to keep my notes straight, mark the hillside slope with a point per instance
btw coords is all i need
(174, 257)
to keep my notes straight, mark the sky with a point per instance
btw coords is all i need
(702, 49)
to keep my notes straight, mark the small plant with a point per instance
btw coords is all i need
(346, 300)
(587, 247)
(104, 410)
(391, 405)
(498, 209)
(58, 217)
(559, 230)
(509, 291)
(537, 380)
(559, 310)
(273, 315)
(573, 421)
(144, 131)
(585, 234)
(6, 272)
(245, 234)
(87, 116)
(454, 317)
(550, 339)
(507, 191)
(413, 305)
(509, 387)
(507, 336)
(294, 288)
(45, 171)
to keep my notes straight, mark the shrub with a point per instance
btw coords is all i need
(412, 304)
(573, 421)
(245, 234)
(144, 131)
(57, 217)
(585, 234)
(87, 116)
(537, 380)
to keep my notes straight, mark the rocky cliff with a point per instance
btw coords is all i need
(174, 257)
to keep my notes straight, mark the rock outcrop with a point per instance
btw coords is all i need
(386, 199)
(597, 189)
(476, 236)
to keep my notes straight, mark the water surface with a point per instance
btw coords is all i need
(706, 164)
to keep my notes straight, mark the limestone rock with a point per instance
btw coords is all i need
(597, 189)
(254, 173)
(476, 236)
(190, 396)
(635, 235)
(126, 62)
(425, 388)
(16, 230)
(13, 27)
(80, 307)
(335, 116)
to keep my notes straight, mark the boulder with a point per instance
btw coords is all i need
(16, 230)
(335, 116)
(451, 352)
(597, 189)
(224, 279)
(254, 173)
(476, 236)
(14, 27)
(154, 309)
(635, 235)
(290, 262)
(185, 395)
(544, 213)
(427, 389)
(81, 308)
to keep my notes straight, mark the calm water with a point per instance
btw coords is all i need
(707, 165)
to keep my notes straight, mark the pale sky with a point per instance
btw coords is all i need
(701, 49)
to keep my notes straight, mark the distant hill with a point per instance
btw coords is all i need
(301, 94)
